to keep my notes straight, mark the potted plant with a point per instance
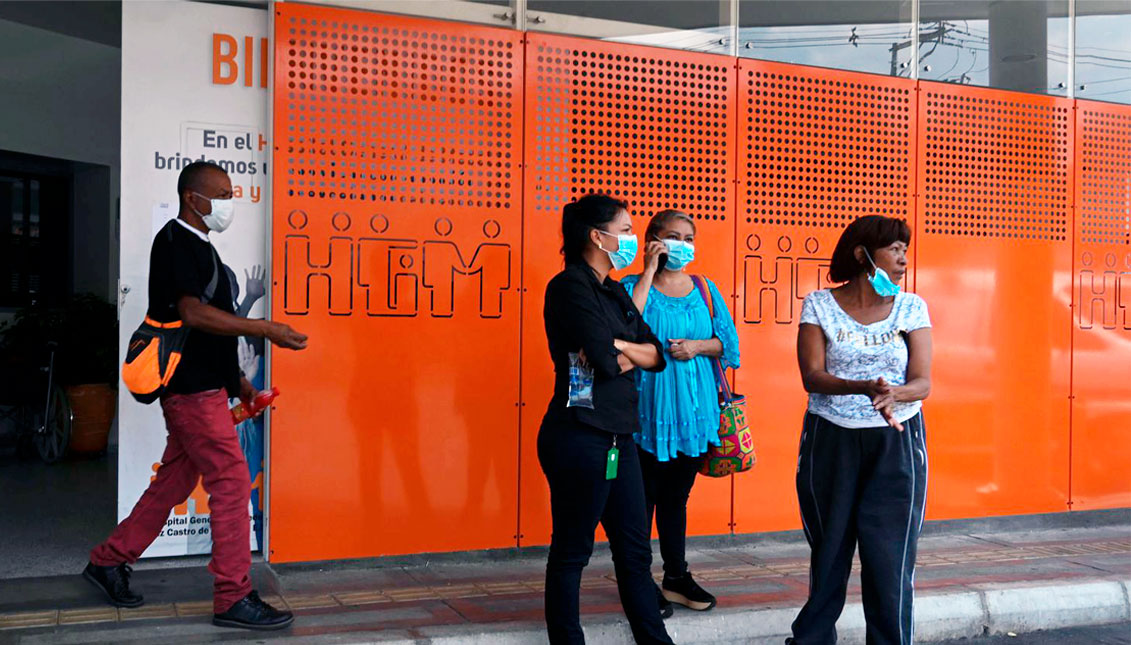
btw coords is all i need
(88, 369)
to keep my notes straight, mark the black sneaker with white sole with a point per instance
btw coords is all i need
(252, 613)
(685, 591)
(115, 583)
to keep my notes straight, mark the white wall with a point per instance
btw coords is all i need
(60, 97)
(168, 102)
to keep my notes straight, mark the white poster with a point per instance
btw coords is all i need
(194, 86)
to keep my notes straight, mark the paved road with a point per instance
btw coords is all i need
(1119, 634)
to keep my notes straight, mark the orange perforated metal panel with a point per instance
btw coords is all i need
(994, 265)
(817, 148)
(397, 234)
(994, 165)
(420, 169)
(1101, 352)
(653, 127)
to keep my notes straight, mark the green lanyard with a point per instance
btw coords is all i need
(611, 460)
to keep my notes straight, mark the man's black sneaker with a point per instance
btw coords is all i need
(666, 609)
(253, 613)
(115, 583)
(685, 591)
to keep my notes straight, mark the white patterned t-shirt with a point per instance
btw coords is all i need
(860, 352)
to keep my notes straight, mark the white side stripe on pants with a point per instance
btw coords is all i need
(907, 535)
(812, 492)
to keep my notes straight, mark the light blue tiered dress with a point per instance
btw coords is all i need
(679, 407)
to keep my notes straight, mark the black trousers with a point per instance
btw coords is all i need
(867, 487)
(573, 458)
(667, 485)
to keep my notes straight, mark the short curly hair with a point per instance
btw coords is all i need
(873, 232)
(191, 175)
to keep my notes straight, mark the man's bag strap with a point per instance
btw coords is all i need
(210, 290)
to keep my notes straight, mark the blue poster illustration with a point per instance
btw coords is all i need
(251, 358)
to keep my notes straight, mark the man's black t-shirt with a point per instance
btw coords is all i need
(182, 265)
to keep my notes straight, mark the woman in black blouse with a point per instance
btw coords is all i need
(587, 453)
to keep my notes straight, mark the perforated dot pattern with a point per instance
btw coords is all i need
(650, 126)
(388, 110)
(821, 148)
(1103, 196)
(994, 164)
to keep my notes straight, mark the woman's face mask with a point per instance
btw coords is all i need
(879, 279)
(680, 254)
(626, 250)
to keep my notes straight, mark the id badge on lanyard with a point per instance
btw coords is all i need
(611, 460)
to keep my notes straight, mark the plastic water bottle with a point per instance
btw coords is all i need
(261, 402)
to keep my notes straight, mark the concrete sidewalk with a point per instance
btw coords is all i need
(969, 583)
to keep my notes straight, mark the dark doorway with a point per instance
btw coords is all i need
(56, 230)
(35, 214)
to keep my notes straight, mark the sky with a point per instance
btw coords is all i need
(1103, 63)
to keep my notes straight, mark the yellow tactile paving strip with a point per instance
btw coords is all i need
(186, 609)
(103, 614)
(88, 615)
(168, 610)
(29, 619)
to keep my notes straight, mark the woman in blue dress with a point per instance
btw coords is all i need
(679, 407)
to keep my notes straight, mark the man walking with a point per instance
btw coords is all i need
(185, 285)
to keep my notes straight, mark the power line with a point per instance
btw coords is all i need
(1105, 49)
(757, 46)
(832, 29)
(1108, 93)
(1108, 80)
(1119, 60)
(973, 62)
(945, 34)
(838, 37)
(957, 59)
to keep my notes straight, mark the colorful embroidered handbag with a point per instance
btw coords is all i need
(736, 452)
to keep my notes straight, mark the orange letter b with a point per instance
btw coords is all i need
(219, 58)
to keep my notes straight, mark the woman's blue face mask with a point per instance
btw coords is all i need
(879, 279)
(626, 250)
(680, 254)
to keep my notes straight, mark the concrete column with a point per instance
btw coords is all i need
(1019, 45)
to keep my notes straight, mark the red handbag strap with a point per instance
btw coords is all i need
(720, 373)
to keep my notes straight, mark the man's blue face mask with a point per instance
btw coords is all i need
(879, 279)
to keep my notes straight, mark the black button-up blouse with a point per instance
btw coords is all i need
(583, 313)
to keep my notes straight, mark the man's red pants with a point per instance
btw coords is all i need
(202, 441)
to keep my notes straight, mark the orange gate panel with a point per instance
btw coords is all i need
(817, 148)
(397, 230)
(653, 127)
(420, 168)
(1101, 329)
(993, 258)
